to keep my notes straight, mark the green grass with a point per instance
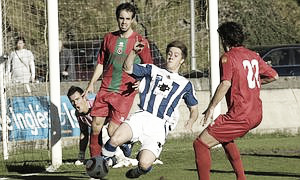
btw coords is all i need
(265, 157)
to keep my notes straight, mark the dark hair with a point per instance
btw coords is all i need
(231, 34)
(125, 6)
(20, 38)
(74, 89)
(180, 45)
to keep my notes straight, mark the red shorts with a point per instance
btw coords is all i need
(225, 129)
(112, 105)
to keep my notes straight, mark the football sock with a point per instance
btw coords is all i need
(203, 159)
(108, 150)
(95, 148)
(234, 157)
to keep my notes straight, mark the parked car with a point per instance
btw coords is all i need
(285, 59)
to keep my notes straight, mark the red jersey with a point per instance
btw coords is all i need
(114, 50)
(244, 69)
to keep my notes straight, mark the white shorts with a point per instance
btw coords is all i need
(149, 130)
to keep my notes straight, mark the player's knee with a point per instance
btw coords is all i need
(145, 164)
(199, 144)
(112, 128)
(195, 144)
(115, 141)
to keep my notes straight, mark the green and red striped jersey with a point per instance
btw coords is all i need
(113, 52)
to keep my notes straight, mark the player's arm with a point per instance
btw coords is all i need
(83, 141)
(266, 80)
(218, 96)
(193, 117)
(96, 75)
(128, 63)
(145, 53)
(267, 73)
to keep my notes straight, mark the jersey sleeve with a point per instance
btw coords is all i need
(189, 97)
(102, 51)
(226, 69)
(141, 70)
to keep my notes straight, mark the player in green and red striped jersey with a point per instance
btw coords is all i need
(115, 97)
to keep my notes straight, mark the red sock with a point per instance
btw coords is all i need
(234, 157)
(203, 160)
(95, 148)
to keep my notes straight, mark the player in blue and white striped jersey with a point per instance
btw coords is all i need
(159, 101)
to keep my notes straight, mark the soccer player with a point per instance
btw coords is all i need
(116, 94)
(159, 102)
(83, 107)
(242, 73)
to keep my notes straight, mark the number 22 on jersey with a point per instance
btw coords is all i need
(253, 73)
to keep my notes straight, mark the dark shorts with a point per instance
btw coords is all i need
(112, 105)
(225, 129)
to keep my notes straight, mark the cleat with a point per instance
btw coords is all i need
(127, 149)
(111, 161)
(79, 162)
(133, 173)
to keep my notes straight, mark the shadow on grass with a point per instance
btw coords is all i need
(45, 177)
(256, 173)
(263, 173)
(25, 168)
(271, 155)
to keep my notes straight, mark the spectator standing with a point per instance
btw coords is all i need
(20, 64)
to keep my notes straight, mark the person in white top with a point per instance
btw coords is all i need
(20, 65)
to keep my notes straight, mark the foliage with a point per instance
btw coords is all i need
(266, 22)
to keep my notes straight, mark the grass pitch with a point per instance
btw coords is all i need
(265, 157)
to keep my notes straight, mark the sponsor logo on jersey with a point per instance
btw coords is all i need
(120, 47)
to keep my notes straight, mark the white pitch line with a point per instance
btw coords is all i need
(32, 174)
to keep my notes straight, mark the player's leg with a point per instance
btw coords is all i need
(202, 147)
(112, 127)
(95, 146)
(99, 112)
(121, 135)
(146, 159)
(83, 142)
(126, 148)
(120, 106)
(152, 136)
(233, 156)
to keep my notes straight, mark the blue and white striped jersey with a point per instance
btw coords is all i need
(163, 91)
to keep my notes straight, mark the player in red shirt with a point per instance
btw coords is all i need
(117, 92)
(242, 73)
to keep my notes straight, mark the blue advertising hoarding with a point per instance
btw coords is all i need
(28, 118)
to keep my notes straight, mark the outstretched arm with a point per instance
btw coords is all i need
(218, 96)
(128, 63)
(193, 117)
(97, 73)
